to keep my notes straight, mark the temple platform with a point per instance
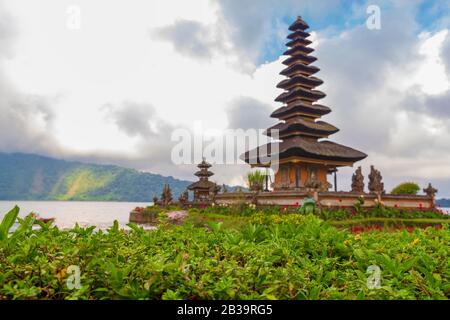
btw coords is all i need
(326, 199)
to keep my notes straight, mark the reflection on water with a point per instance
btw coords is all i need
(67, 213)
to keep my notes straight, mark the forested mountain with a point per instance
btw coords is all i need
(445, 203)
(32, 177)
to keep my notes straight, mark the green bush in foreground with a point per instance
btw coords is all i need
(300, 258)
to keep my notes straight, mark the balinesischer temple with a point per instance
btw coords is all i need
(304, 161)
(304, 157)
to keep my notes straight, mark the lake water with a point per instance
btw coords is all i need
(67, 213)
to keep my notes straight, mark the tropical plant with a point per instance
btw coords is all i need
(7, 223)
(271, 256)
(409, 188)
(256, 180)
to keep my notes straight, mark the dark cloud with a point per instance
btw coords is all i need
(132, 118)
(7, 33)
(436, 105)
(192, 38)
(357, 67)
(25, 120)
(254, 24)
(249, 113)
(154, 145)
(439, 105)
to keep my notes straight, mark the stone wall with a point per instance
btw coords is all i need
(142, 218)
(326, 199)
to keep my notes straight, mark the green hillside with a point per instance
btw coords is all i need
(443, 203)
(32, 177)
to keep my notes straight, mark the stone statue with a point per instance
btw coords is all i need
(224, 188)
(358, 181)
(325, 186)
(213, 190)
(166, 196)
(237, 189)
(375, 181)
(430, 191)
(184, 197)
(312, 182)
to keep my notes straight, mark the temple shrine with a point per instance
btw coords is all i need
(305, 156)
(203, 189)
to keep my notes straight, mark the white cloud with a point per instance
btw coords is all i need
(388, 89)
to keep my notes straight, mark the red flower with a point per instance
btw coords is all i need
(340, 200)
(395, 205)
(344, 207)
(296, 204)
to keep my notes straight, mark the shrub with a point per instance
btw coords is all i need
(256, 180)
(280, 257)
(411, 188)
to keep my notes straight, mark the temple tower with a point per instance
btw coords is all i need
(305, 157)
(203, 189)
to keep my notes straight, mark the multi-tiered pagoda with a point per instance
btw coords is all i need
(305, 158)
(203, 188)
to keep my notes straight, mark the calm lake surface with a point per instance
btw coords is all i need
(67, 213)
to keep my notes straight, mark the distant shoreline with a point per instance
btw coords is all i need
(83, 201)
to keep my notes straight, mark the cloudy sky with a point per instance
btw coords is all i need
(108, 81)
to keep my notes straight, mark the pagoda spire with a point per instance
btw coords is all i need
(303, 154)
(203, 187)
(204, 173)
(300, 95)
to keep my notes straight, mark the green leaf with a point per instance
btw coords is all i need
(8, 222)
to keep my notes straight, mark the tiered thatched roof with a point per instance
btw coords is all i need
(300, 129)
(203, 184)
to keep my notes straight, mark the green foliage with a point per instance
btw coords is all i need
(256, 180)
(409, 188)
(285, 256)
(354, 212)
(31, 177)
(8, 222)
